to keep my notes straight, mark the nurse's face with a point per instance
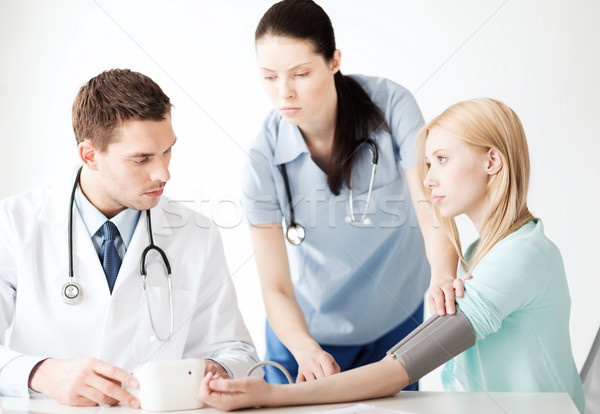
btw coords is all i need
(134, 168)
(458, 176)
(298, 81)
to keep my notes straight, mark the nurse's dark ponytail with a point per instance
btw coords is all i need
(357, 116)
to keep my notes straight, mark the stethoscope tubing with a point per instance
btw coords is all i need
(151, 246)
(70, 223)
(295, 232)
(143, 273)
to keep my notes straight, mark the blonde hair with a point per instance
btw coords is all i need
(485, 124)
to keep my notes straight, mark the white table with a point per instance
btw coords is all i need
(421, 402)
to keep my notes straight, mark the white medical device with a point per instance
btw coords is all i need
(169, 385)
(175, 385)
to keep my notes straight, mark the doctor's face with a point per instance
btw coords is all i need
(134, 169)
(457, 176)
(298, 81)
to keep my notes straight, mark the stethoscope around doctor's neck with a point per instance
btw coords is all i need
(72, 292)
(295, 233)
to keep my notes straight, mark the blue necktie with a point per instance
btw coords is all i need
(111, 262)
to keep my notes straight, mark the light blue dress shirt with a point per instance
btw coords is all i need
(16, 373)
(518, 304)
(126, 222)
(353, 282)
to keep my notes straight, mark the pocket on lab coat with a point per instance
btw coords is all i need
(159, 343)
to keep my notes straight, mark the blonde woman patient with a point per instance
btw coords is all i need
(511, 331)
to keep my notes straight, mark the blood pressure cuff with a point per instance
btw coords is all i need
(435, 341)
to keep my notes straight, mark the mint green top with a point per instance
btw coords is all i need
(518, 304)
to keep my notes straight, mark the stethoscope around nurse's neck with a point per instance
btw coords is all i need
(295, 232)
(72, 293)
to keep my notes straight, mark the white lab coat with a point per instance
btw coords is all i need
(115, 328)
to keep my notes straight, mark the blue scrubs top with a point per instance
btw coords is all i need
(353, 282)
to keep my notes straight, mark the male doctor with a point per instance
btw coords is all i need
(81, 353)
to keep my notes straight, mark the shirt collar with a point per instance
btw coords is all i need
(93, 219)
(289, 144)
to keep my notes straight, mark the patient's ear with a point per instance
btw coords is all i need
(494, 162)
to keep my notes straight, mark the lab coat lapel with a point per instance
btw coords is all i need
(55, 209)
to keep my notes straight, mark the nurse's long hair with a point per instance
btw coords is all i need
(484, 124)
(357, 116)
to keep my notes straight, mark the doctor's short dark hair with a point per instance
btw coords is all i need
(106, 101)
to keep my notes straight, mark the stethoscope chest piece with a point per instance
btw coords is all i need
(295, 234)
(71, 293)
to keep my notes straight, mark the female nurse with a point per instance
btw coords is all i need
(473, 160)
(335, 161)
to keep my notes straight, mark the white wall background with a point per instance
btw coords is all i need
(542, 57)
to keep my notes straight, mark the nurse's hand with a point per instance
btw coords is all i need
(83, 382)
(314, 364)
(227, 395)
(441, 295)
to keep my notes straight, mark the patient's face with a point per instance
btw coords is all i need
(457, 176)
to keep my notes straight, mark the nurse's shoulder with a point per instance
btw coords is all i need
(383, 92)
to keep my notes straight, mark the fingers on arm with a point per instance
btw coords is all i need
(328, 365)
(336, 367)
(437, 301)
(459, 287)
(449, 299)
(319, 367)
(306, 375)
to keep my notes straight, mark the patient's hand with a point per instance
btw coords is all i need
(441, 295)
(214, 368)
(227, 395)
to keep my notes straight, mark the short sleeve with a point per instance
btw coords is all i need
(259, 194)
(502, 283)
(405, 121)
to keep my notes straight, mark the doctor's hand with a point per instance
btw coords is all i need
(314, 364)
(214, 368)
(83, 382)
(441, 295)
(227, 395)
